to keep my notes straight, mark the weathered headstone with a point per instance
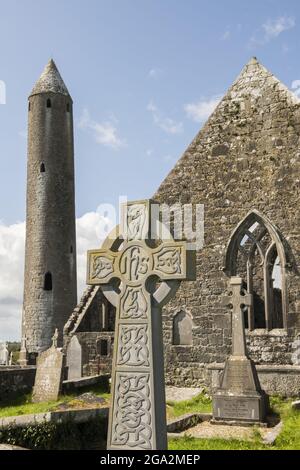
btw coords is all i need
(239, 397)
(11, 358)
(4, 354)
(23, 358)
(182, 329)
(137, 418)
(74, 359)
(49, 374)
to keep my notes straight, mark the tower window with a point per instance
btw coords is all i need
(49, 104)
(29, 106)
(68, 107)
(71, 249)
(42, 168)
(48, 281)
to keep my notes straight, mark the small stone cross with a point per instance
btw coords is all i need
(55, 338)
(237, 301)
(137, 418)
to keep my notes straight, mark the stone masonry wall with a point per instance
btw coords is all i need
(15, 380)
(246, 157)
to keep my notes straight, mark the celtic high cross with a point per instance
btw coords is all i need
(128, 269)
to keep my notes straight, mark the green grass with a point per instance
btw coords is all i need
(199, 404)
(289, 438)
(26, 407)
(191, 443)
(22, 404)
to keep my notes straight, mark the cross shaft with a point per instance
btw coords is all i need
(236, 301)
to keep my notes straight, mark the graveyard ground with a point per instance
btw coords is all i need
(289, 437)
(22, 404)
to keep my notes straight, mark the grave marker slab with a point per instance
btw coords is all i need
(23, 357)
(4, 354)
(74, 359)
(49, 374)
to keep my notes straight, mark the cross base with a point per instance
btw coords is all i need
(240, 397)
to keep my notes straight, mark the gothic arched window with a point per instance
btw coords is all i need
(255, 253)
(182, 329)
(49, 104)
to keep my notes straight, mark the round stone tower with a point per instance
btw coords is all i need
(50, 292)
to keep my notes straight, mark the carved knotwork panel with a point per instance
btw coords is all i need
(132, 412)
(134, 304)
(133, 346)
(101, 266)
(168, 260)
(136, 221)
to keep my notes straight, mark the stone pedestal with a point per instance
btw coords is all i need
(23, 361)
(239, 397)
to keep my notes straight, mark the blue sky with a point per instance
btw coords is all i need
(117, 57)
(144, 75)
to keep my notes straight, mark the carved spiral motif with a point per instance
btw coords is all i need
(132, 423)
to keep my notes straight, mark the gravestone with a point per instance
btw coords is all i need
(182, 329)
(49, 373)
(23, 358)
(74, 359)
(11, 359)
(239, 397)
(137, 418)
(4, 354)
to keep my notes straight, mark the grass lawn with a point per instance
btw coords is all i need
(199, 404)
(21, 405)
(288, 439)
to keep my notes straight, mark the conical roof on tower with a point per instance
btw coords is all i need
(50, 81)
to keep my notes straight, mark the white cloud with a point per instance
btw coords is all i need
(167, 124)
(226, 35)
(90, 230)
(12, 244)
(105, 133)
(201, 110)
(154, 73)
(271, 29)
(295, 87)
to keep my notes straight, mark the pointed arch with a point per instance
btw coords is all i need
(256, 245)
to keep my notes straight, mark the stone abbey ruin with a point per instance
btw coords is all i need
(244, 167)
